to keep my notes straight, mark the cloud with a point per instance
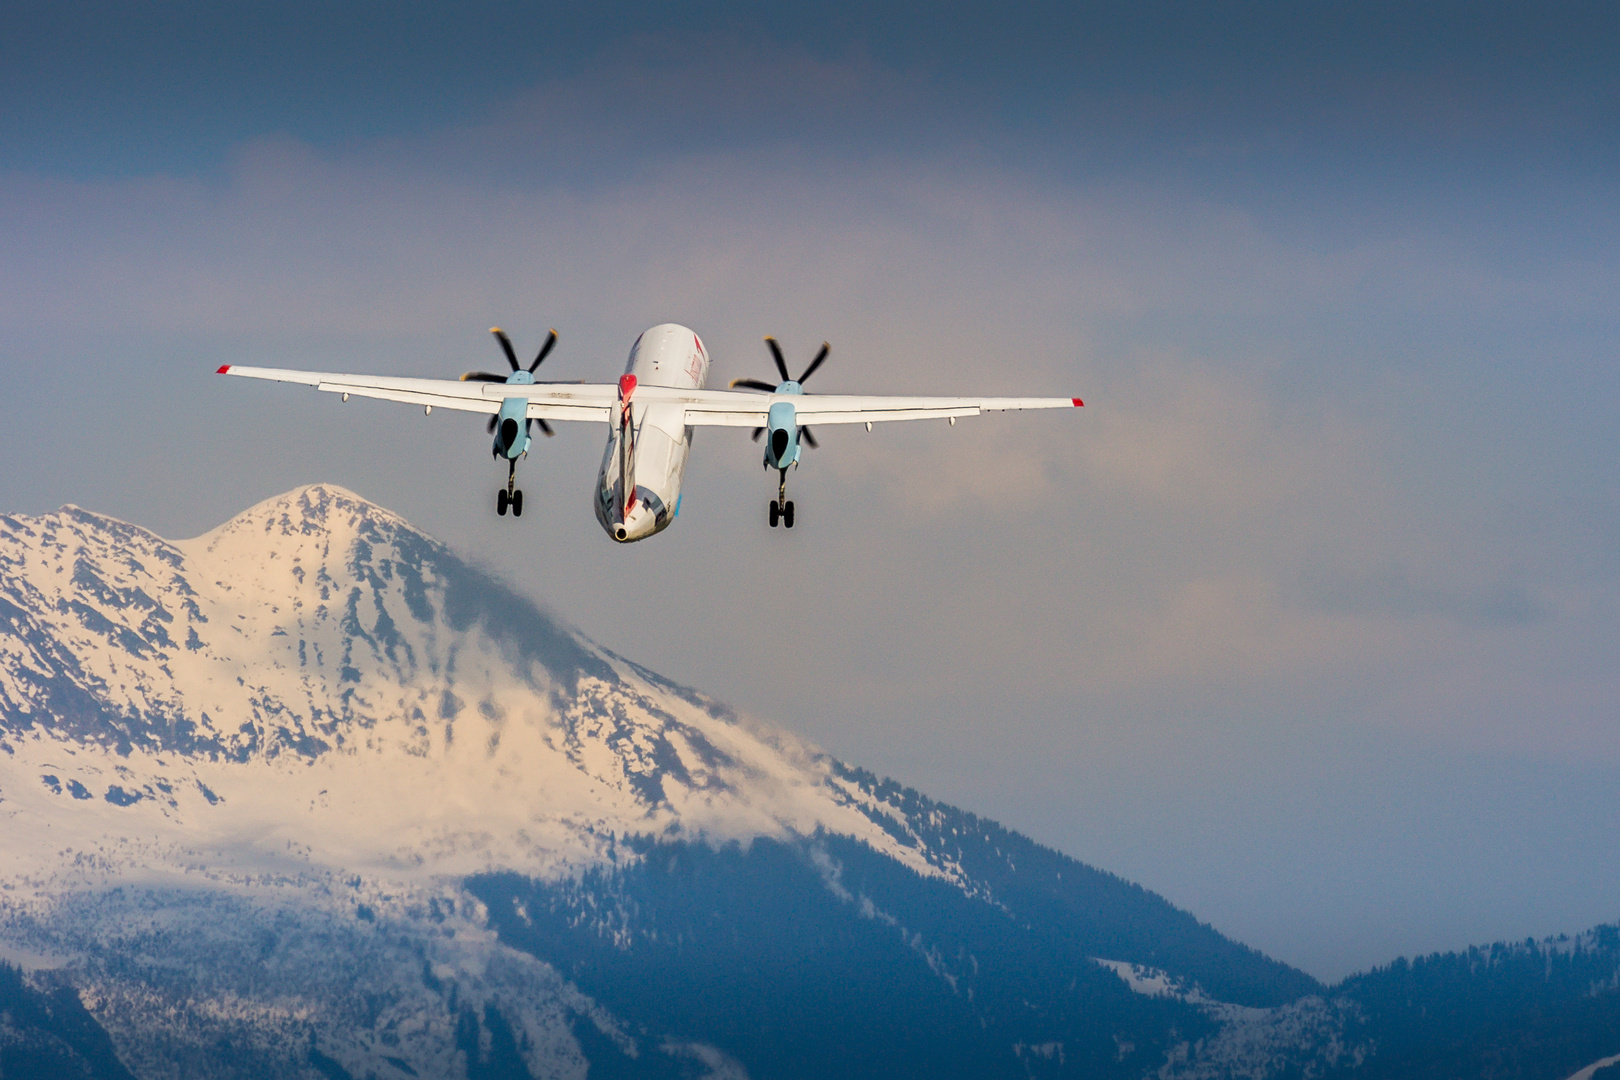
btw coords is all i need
(1236, 523)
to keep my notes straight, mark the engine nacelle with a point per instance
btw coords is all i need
(512, 428)
(781, 436)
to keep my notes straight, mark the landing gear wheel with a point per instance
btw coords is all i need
(776, 513)
(517, 504)
(787, 515)
(500, 502)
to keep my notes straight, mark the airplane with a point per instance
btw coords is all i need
(651, 413)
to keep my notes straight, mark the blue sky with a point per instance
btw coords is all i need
(1307, 621)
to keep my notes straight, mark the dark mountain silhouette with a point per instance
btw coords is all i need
(47, 1034)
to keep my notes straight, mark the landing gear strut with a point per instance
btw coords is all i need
(510, 496)
(781, 509)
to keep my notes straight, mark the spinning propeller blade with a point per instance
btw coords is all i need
(820, 356)
(482, 376)
(804, 433)
(545, 350)
(506, 347)
(776, 354)
(753, 384)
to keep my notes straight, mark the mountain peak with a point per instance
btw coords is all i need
(312, 510)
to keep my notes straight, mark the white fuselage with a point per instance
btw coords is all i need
(659, 440)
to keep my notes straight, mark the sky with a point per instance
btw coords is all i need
(1307, 621)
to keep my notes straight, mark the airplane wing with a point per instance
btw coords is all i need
(595, 401)
(547, 401)
(730, 408)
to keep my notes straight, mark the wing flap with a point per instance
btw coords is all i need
(556, 410)
(716, 418)
(411, 397)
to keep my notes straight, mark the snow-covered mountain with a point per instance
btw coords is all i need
(318, 682)
(309, 795)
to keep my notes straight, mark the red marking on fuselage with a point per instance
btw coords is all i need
(224, 369)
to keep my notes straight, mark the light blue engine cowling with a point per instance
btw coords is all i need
(781, 435)
(511, 423)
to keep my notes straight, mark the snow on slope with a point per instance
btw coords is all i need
(242, 777)
(1304, 1037)
(318, 684)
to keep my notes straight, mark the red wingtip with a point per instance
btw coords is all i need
(224, 369)
(1077, 402)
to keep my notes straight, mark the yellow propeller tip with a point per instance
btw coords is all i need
(496, 330)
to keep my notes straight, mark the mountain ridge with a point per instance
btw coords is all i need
(311, 795)
(356, 578)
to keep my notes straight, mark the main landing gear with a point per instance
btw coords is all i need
(781, 509)
(510, 496)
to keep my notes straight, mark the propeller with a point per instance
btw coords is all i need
(511, 358)
(781, 366)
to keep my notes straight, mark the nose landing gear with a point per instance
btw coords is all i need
(509, 496)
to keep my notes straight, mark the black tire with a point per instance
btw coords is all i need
(787, 515)
(500, 502)
(776, 512)
(517, 504)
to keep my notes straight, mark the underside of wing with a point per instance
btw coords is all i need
(733, 409)
(547, 401)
